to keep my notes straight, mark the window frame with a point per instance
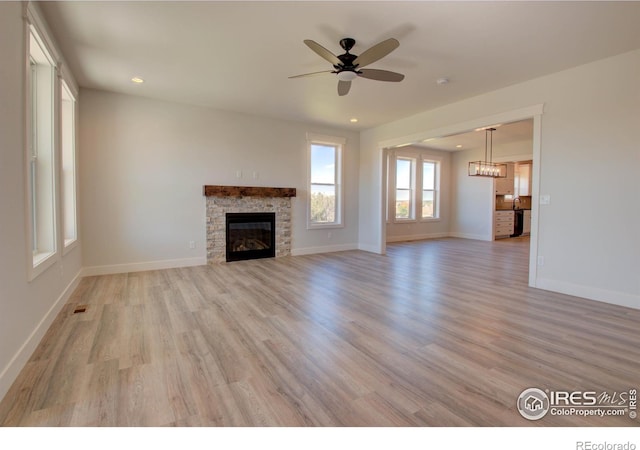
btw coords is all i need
(338, 143)
(43, 192)
(41, 160)
(412, 189)
(69, 200)
(436, 188)
(418, 159)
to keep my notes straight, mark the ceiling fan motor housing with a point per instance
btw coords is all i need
(346, 58)
(347, 43)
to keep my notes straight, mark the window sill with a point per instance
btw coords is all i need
(430, 219)
(323, 226)
(69, 244)
(41, 262)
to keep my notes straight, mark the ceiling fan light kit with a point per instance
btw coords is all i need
(347, 75)
(487, 168)
(348, 66)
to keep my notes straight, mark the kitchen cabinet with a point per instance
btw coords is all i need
(505, 186)
(503, 221)
(526, 225)
(522, 179)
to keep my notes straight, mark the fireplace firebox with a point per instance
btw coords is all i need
(250, 236)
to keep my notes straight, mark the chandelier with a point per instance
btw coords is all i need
(487, 168)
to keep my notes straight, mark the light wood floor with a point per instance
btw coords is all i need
(437, 333)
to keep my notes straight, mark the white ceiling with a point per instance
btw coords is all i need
(521, 131)
(237, 56)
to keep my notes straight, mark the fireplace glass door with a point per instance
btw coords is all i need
(250, 236)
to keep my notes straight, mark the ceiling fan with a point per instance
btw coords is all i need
(348, 66)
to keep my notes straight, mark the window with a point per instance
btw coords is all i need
(429, 194)
(41, 151)
(405, 182)
(50, 149)
(67, 129)
(325, 181)
(413, 182)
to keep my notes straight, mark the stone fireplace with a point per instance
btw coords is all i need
(240, 202)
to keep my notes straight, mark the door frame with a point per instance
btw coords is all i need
(534, 112)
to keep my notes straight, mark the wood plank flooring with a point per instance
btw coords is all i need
(442, 332)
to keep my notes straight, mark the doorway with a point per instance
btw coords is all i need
(481, 205)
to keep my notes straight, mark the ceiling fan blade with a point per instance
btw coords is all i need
(343, 87)
(380, 75)
(320, 50)
(311, 74)
(376, 52)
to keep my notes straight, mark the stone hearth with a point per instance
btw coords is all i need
(244, 199)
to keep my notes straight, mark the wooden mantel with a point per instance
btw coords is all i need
(247, 191)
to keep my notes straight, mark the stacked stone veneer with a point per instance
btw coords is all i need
(218, 207)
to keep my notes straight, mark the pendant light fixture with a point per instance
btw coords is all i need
(487, 168)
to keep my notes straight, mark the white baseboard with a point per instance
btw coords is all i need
(416, 237)
(420, 237)
(591, 293)
(144, 266)
(478, 237)
(323, 249)
(20, 359)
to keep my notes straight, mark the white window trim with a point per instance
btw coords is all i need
(69, 244)
(419, 158)
(339, 142)
(66, 76)
(33, 18)
(37, 263)
(438, 187)
(413, 216)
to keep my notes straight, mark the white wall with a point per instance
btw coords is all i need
(589, 160)
(472, 208)
(26, 308)
(144, 163)
(418, 229)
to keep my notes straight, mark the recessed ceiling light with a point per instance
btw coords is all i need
(137, 80)
(442, 80)
(353, 120)
(459, 146)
